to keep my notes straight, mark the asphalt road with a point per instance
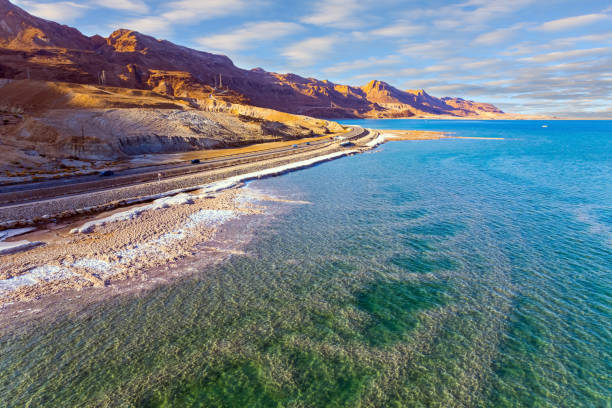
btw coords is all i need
(29, 192)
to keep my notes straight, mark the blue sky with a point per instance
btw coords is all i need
(527, 56)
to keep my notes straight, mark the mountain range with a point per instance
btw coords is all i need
(35, 48)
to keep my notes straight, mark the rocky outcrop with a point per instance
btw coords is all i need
(34, 48)
(63, 120)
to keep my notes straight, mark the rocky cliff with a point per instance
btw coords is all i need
(50, 126)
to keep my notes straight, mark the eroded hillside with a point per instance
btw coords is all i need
(48, 123)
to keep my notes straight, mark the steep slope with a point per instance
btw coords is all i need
(47, 122)
(20, 30)
(34, 48)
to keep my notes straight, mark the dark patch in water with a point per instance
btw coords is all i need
(417, 244)
(394, 308)
(421, 264)
(411, 214)
(232, 385)
(315, 381)
(440, 229)
(401, 197)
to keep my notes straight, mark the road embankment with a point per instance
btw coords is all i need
(53, 204)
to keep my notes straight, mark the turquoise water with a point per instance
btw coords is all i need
(429, 273)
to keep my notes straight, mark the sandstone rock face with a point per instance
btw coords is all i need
(66, 120)
(34, 48)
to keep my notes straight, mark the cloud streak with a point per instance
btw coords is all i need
(63, 11)
(334, 13)
(573, 22)
(310, 50)
(498, 36)
(251, 35)
(567, 55)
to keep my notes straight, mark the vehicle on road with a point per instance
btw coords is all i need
(107, 173)
(195, 161)
(294, 146)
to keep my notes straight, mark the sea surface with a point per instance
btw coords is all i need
(447, 273)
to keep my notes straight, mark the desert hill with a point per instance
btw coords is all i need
(35, 48)
(58, 127)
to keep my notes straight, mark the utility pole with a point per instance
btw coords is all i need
(28, 72)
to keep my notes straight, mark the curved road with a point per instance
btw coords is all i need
(29, 192)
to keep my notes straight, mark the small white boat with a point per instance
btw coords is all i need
(544, 126)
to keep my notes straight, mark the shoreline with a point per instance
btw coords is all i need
(87, 203)
(121, 244)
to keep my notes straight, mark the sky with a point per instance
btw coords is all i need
(525, 56)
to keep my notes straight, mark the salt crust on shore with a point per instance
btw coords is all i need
(15, 232)
(127, 243)
(183, 198)
(17, 246)
(119, 250)
(378, 141)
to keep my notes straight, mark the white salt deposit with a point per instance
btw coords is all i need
(165, 202)
(179, 197)
(208, 218)
(15, 232)
(17, 246)
(36, 275)
(378, 141)
(97, 265)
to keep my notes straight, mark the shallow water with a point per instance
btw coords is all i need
(429, 273)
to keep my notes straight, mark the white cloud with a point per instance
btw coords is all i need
(498, 36)
(191, 11)
(155, 26)
(401, 29)
(360, 64)
(335, 13)
(482, 64)
(469, 15)
(180, 12)
(563, 55)
(63, 11)
(310, 50)
(137, 6)
(249, 36)
(430, 49)
(529, 48)
(572, 22)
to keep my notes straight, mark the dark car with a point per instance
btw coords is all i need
(308, 143)
(107, 173)
(195, 161)
(294, 146)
